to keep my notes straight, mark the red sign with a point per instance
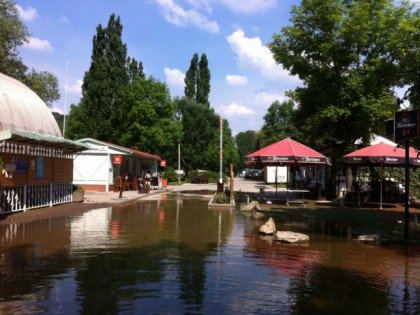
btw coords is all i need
(117, 159)
(163, 163)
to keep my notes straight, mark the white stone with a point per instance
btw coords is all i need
(253, 205)
(291, 237)
(269, 227)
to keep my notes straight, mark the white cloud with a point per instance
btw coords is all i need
(251, 53)
(266, 99)
(236, 80)
(249, 6)
(174, 77)
(57, 110)
(76, 88)
(235, 109)
(29, 14)
(177, 15)
(38, 44)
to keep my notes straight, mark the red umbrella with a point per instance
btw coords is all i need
(381, 154)
(286, 152)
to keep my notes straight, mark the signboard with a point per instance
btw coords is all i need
(117, 159)
(406, 125)
(163, 163)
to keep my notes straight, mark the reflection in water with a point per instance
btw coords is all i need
(176, 256)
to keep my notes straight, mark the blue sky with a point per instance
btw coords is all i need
(164, 35)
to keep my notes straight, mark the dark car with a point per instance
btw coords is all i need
(248, 174)
(256, 174)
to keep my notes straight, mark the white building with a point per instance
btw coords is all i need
(98, 168)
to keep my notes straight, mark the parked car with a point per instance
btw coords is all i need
(256, 174)
(253, 174)
(248, 174)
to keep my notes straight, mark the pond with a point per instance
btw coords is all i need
(173, 255)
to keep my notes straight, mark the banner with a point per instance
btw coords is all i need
(117, 159)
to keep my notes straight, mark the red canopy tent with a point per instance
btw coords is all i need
(286, 152)
(381, 154)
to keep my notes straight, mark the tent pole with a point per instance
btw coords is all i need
(382, 178)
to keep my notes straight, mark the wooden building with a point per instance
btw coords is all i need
(36, 162)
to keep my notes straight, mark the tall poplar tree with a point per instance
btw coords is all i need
(203, 81)
(105, 79)
(191, 78)
(197, 80)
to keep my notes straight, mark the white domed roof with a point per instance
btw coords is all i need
(23, 109)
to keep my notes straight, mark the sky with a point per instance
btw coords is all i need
(164, 35)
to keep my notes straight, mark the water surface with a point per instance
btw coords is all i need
(175, 256)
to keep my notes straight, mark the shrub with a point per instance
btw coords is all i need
(221, 198)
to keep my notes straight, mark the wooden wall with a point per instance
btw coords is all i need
(33, 170)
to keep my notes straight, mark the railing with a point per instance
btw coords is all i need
(22, 198)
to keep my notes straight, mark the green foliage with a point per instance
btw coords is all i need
(245, 144)
(221, 198)
(347, 56)
(44, 84)
(191, 78)
(75, 124)
(341, 52)
(278, 124)
(148, 119)
(13, 33)
(203, 81)
(170, 174)
(99, 110)
(201, 137)
(197, 80)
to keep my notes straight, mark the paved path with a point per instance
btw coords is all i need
(240, 184)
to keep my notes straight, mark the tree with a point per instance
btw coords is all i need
(197, 80)
(405, 45)
(191, 78)
(201, 137)
(106, 78)
(245, 143)
(203, 81)
(45, 84)
(278, 124)
(135, 69)
(13, 33)
(341, 50)
(149, 122)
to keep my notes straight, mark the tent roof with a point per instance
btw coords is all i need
(381, 153)
(286, 151)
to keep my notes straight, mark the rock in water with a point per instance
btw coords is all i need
(291, 237)
(269, 227)
(253, 205)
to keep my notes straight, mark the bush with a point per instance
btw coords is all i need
(170, 174)
(221, 198)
